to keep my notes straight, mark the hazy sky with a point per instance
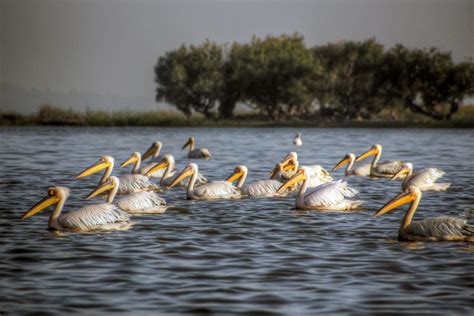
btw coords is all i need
(110, 47)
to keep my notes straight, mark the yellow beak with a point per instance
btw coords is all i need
(341, 163)
(299, 176)
(368, 153)
(400, 173)
(161, 165)
(41, 205)
(130, 160)
(150, 152)
(106, 186)
(236, 175)
(185, 173)
(396, 202)
(189, 142)
(98, 166)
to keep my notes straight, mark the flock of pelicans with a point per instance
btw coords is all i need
(315, 187)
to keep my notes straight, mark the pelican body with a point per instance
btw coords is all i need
(349, 159)
(261, 188)
(443, 228)
(167, 164)
(298, 141)
(133, 203)
(424, 179)
(207, 191)
(317, 173)
(136, 159)
(94, 217)
(330, 196)
(198, 153)
(128, 183)
(386, 169)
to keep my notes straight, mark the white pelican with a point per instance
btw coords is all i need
(133, 203)
(136, 159)
(153, 151)
(424, 179)
(261, 188)
(361, 171)
(330, 196)
(442, 228)
(298, 141)
(386, 169)
(207, 191)
(168, 165)
(318, 173)
(128, 183)
(198, 153)
(283, 173)
(103, 216)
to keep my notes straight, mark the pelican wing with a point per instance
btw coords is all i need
(217, 189)
(425, 176)
(93, 216)
(139, 202)
(389, 167)
(156, 174)
(442, 227)
(135, 183)
(200, 153)
(262, 188)
(322, 174)
(328, 194)
(362, 170)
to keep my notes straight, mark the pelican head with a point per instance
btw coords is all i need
(134, 158)
(280, 167)
(165, 162)
(374, 150)
(104, 162)
(239, 172)
(110, 184)
(191, 141)
(153, 151)
(407, 168)
(190, 169)
(55, 195)
(290, 158)
(407, 196)
(347, 159)
(300, 175)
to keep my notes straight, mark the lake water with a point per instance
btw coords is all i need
(254, 256)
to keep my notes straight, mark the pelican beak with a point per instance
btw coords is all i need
(273, 172)
(341, 163)
(396, 202)
(236, 175)
(98, 166)
(150, 152)
(131, 159)
(185, 173)
(370, 152)
(299, 176)
(41, 205)
(400, 173)
(106, 186)
(161, 165)
(289, 166)
(188, 143)
(286, 160)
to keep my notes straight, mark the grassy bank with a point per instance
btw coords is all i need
(51, 115)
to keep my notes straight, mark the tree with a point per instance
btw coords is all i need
(427, 81)
(191, 78)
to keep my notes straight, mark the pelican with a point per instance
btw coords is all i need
(283, 173)
(317, 172)
(198, 153)
(386, 169)
(128, 183)
(298, 141)
(168, 165)
(153, 151)
(425, 179)
(133, 203)
(261, 188)
(207, 191)
(361, 171)
(328, 196)
(136, 159)
(91, 217)
(442, 228)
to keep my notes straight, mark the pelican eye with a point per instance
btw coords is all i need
(52, 192)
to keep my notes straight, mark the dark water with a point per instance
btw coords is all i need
(248, 256)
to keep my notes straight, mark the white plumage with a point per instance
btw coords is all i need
(93, 217)
(198, 153)
(424, 179)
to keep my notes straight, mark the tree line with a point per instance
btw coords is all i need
(284, 79)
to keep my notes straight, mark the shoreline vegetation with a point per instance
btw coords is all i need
(56, 116)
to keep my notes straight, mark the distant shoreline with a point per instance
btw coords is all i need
(56, 116)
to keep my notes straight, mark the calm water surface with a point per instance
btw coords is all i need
(246, 256)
